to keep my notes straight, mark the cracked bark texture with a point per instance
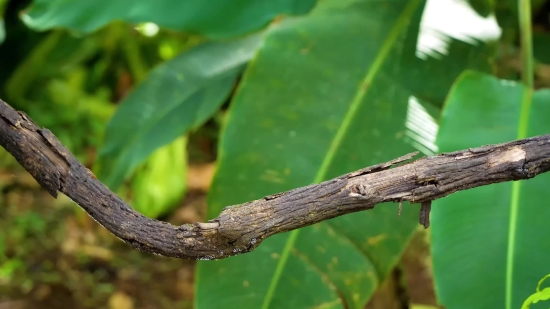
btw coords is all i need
(241, 228)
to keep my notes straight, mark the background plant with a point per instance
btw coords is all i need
(280, 96)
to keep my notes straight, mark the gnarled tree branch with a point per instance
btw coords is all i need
(241, 228)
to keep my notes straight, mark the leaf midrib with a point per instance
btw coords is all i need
(363, 88)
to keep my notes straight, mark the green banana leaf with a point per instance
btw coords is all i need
(178, 95)
(490, 244)
(213, 18)
(321, 98)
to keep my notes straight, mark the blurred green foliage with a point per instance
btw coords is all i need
(177, 96)
(160, 183)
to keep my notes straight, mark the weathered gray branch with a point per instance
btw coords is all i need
(241, 228)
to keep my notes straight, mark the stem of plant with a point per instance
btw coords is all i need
(133, 56)
(526, 39)
(526, 42)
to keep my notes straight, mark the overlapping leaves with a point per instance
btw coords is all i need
(489, 243)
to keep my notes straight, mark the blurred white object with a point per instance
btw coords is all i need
(452, 18)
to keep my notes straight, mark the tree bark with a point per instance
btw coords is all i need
(241, 228)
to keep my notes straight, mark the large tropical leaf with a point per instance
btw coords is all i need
(213, 18)
(320, 99)
(490, 244)
(178, 95)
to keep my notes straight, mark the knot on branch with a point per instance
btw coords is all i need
(360, 190)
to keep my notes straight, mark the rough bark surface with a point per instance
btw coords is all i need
(241, 228)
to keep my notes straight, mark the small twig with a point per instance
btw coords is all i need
(424, 217)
